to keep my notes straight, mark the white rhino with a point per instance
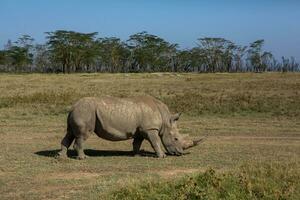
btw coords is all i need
(118, 119)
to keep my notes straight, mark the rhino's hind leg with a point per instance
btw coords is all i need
(78, 146)
(137, 142)
(81, 133)
(65, 144)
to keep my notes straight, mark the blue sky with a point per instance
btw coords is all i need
(178, 21)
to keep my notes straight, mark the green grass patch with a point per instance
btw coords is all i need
(261, 181)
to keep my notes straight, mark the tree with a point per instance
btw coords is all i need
(18, 55)
(238, 55)
(25, 44)
(20, 58)
(259, 59)
(3, 61)
(6, 60)
(289, 65)
(183, 61)
(217, 53)
(151, 53)
(69, 48)
(25, 41)
(113, 54)
(42, 59)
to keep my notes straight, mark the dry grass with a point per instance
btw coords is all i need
(249, 118)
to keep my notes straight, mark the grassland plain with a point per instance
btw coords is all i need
(251, 120)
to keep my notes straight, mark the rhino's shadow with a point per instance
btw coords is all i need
(95, 153)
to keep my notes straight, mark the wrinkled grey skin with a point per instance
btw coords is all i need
(118, 119)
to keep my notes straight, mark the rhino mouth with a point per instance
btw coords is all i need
(175, 151)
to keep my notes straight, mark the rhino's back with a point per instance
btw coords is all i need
(118, 112)
(128, 114)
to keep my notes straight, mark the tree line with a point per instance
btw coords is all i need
(70, 51)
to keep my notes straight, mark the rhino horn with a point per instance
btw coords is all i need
(199, 140)
(191, 143)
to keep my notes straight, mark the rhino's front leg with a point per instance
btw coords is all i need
(155, 141)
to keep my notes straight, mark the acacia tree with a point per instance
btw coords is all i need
(69, 48)
(289, 65)
(198, 59)
(238, 58)
(83, 50)
(259, 59)
(217, 53)
(60, 47)
(183, 61)
(42, 59)
(3, 61)
(19, 55)
(151, 53)
(112, 54)
(20, 58)
(25, 41)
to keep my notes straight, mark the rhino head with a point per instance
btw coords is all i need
(175, 143)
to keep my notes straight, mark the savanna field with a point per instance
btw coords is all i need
(251, 120)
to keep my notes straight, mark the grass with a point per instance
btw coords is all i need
(263, 181)
(251, 120)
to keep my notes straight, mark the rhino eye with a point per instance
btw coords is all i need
(176, 139)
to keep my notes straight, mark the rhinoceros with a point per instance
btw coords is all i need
(118, 119)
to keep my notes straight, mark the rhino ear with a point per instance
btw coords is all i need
(175, 117)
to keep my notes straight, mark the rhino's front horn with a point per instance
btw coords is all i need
(192, 143)
(197, 141)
